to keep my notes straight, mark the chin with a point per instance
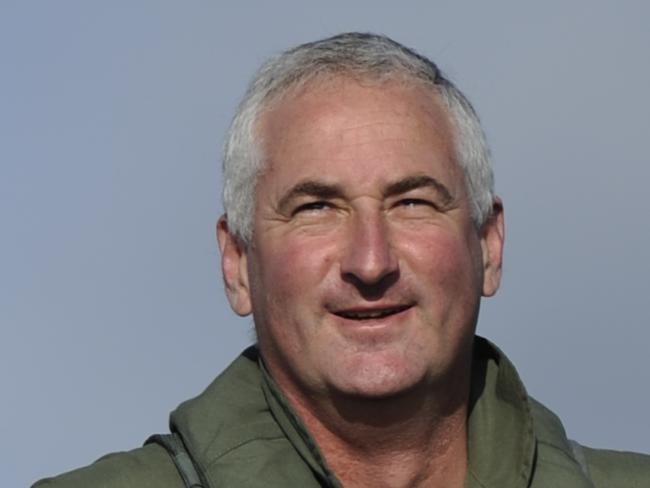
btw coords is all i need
(376, 375)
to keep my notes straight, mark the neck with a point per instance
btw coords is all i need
(415, 439)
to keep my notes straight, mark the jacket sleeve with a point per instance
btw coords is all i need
(146, 467)
(616, 469)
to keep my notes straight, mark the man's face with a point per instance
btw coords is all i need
(365, 269)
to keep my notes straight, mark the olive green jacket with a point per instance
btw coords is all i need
(241, 433)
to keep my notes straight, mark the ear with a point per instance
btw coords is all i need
(492, 239)
(234, 268)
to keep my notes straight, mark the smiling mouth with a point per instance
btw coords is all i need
(371, 314)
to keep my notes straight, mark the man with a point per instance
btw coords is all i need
(361, 231)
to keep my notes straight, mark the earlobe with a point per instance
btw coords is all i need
(234, 267)
(492, 240)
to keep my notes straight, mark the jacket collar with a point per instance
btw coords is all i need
(296, 431)
(501, 437)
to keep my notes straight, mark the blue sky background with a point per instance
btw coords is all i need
(112, 116)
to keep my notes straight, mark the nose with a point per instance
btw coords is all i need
(369, 261)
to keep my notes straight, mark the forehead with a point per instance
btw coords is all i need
(346, 127)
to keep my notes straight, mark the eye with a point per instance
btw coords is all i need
(315, 206)
(415, 202)
(415, 208)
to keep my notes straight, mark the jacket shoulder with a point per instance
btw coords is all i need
(605, 468)
(556, 462)
(618, 469)
(147, 467)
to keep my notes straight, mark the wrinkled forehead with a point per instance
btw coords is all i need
(337, 111)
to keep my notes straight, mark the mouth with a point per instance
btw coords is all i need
(371, 313)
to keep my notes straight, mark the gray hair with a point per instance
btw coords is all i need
(363, 55)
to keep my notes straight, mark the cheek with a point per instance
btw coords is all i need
(287, 278)
(293, 268)
(444, 259)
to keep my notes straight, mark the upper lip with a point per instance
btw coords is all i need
(360, 313)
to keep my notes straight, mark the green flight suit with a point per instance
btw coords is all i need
(241, 433)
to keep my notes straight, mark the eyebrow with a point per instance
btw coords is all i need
(328, 191)
(313, 188)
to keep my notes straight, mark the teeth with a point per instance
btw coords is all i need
(373, 314)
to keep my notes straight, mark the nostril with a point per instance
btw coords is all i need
(372, 290)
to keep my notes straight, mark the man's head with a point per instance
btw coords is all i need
(370, 243)
(360, 56)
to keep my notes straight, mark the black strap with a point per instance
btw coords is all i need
(176, 449)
